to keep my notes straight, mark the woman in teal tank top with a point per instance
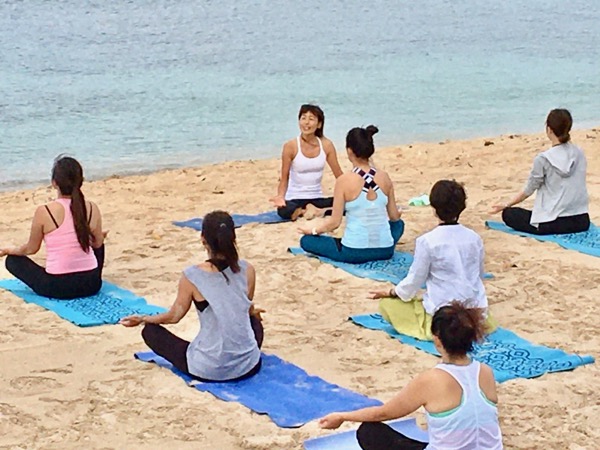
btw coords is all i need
(373, 224)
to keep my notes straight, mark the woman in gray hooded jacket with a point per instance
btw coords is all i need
(558, 174)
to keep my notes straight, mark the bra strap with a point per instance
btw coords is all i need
(51, 216)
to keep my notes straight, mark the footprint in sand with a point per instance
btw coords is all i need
(34, 384)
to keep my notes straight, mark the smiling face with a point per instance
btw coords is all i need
(309, 123)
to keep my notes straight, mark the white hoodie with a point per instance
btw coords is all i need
(558, 174)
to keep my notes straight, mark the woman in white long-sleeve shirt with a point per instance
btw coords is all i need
(448, 260)
(559, 177)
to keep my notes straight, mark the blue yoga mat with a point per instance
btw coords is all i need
(239, 220)
(393, 270)
(106, 307)
(283, 391)
(509, 355)
(587, 242)
(347, 439)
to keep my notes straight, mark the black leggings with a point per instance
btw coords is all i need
(379, 436)
(174, 349)
(519, 219)
(286, 212)
(65, 286)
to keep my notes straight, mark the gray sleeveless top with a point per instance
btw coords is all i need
(225, 347)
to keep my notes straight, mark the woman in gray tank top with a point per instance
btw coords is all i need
(221, 289)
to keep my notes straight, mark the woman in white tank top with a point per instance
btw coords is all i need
(302, 163)
(459, 395)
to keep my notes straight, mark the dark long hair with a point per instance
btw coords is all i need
(318, 112)
(218, 231)
(560, 122)
(458, 327)
(67, 174)
(360, 141)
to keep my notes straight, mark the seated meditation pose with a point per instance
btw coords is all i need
(302, 162)
(71, 228)
(373, 224)
(558, 175)
(448, 260)
(458, 394)
(221, 288)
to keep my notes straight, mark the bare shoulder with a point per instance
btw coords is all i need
(486, 376)
(327, 145)
(384, 179)
(290, 148)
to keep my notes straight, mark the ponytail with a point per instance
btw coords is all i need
(68, 176)
(218, 231)
(80, 215)
(560, 122)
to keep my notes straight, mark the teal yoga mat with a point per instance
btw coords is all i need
(106, 307)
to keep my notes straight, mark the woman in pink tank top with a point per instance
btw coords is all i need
(72, 231)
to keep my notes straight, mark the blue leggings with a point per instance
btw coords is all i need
(332, 248)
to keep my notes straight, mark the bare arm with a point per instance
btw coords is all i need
(332, 159)
(251, 276)
(180, 307)
(96, 227)
(36, 235)
(337, 212)
(408, 400)
(287, 156)
(392, 208)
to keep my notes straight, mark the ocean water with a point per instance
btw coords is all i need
(135, 86)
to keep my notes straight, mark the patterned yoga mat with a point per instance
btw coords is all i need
(509, 355)
(108, 306)
(393, 270)
(587, 242)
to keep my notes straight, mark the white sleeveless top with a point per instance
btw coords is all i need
(473, 425)
(306, 175)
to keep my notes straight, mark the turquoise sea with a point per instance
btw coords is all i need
(133, 86)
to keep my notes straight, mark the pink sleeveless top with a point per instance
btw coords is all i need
(63, 252)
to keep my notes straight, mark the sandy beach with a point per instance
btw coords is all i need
(64, 387)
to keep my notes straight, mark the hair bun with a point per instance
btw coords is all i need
(372, 130)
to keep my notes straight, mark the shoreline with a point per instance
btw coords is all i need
(63, 385)
(26, 186)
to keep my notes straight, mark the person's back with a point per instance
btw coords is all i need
(367, 222)
(226, 347)
(459, 395)
(63, 251)
(562, 190)
(473, 424)
(455, 254)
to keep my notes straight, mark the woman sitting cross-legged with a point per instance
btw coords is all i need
(302, 164)
(221, 288)
(448, 260)
(559, 176)
(458, 394)
(373, 224)
(71, 228)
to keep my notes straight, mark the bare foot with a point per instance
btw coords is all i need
(312, 212)
(297, 214)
